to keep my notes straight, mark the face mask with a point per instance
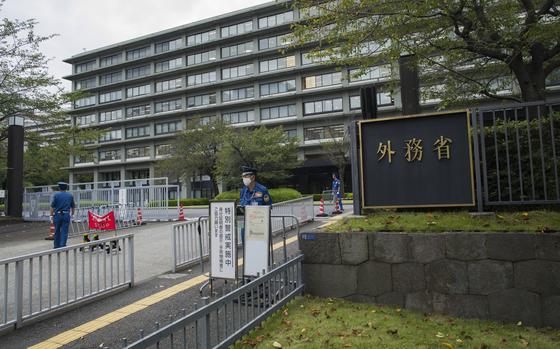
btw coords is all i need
(246, 181)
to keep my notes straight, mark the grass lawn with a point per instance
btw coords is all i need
(309, 322)
(531, 221)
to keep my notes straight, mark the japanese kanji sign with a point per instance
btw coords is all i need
(223, 240)
(257, 240)
(416, 161)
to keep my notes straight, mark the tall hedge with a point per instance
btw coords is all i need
(277, 195)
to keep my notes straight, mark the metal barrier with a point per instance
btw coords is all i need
(153, 200)
(225, 320)
(125, 217)
(328, 201)
(189, 240)
(39, 284)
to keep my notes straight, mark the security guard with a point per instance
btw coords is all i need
(336, 191)
(62, 207)
(253, 193)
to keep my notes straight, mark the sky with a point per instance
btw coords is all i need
(89, 24)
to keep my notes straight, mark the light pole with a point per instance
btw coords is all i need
(15, 165)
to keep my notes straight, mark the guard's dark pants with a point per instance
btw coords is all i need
(61, 223)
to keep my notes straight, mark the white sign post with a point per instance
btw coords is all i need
(257, 240)
(223, 240)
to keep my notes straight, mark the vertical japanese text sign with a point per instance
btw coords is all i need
(223, 240)
(257, 240)
(417, 161)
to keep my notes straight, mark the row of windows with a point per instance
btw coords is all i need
(131, 153)
(200, 100)
(238, 94)
(237, 50)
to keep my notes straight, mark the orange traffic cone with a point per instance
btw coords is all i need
(51, 232)
(322, 209)
(336, 208)
(181, 213)
(139, 216)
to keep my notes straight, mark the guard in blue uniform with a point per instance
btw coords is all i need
(62, 208)
(336, 191)
(253, 193)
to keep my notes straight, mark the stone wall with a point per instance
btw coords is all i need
(502, 276)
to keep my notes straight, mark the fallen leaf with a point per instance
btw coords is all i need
(440, 335)
(303, 330)
(524, 342)
(447, 345)
(277, 345)
(500, 216)
(520, 323)
(459, 340)
(285, 312)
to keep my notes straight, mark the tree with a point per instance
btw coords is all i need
(271, 151)
(196, 152)
(468, 48)
(26, 87)
(337, 150)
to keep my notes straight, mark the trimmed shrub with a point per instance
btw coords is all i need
(277, 195)
(349, 196)
(317, 197)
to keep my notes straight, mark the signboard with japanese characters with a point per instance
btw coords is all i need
(257, 240)
(417, 161)
(223, 240)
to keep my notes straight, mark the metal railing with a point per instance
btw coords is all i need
(153, 200)
(125, 217)
(190, 239)
(218, 324)
(38, 284)
(516, 154)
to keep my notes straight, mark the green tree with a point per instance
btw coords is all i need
(271, 151)
(337, 150)
(196, 152)
(467, 48)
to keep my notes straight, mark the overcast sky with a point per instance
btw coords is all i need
(90, 24)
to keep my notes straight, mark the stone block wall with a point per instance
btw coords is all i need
(501, 276)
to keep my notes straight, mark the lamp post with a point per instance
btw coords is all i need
(15, 165)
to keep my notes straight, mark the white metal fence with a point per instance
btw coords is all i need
(189, 241)
(125, 217)
(153, 200)
(38, 284)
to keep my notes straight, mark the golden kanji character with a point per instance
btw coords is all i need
(442, 145)
(385, 149)
(414, 150)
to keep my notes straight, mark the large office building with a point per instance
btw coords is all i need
(229, 67)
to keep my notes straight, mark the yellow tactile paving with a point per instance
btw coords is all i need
(107, 319)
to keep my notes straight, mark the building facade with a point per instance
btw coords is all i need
(237, 67)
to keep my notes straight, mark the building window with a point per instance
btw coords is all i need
(110, 96)
(85, 83)
(275, 41)
(111, 115)
(239, 117)
(110, 155)
(200, 38)
(138, 152)
(306, 58)
(237, 50)
(110, 78)
(291, 133)
(168, 85)
(201, 57)
(164, 149)
(236, 72)
(238, 94)
(277, 19)
(322, 80)
(168, 45)
(282, 111)
(197, 101)
(237, 29)
(200, 121)
(138, 91)
(112, 135)
(83, 120)
(139, 131)
(84, 102)
(138, 110)
(138, 72)
(137, 53)
(84, 159)
(84, 67)
(110, 60)
(323, 132)
(202, 78)
(169, 64)
(168, 127)
(277, 64)
(383, 99)
(323, 106)
(377, 73)
(278, 87)
(173, 104)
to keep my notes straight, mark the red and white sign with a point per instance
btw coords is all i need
(105, 222)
